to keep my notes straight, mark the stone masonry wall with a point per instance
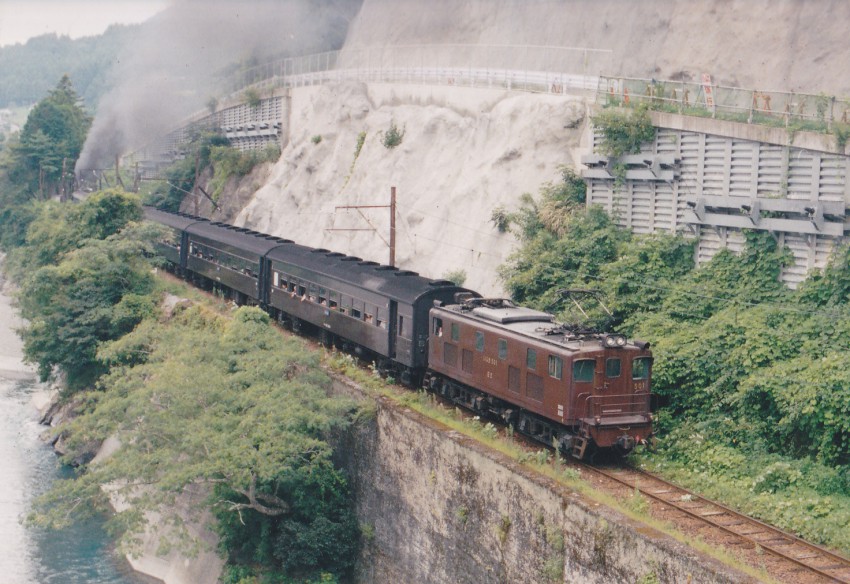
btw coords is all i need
(445, 509)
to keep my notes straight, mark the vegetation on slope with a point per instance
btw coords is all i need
(754, 397)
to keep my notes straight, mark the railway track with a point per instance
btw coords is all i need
(805, 556)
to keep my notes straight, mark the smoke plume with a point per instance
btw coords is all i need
(184, 53)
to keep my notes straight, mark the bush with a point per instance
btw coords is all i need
(393, 136)
(623, 131)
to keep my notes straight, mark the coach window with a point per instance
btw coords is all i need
(455, 331)
(584, 370)
(640, 368)
(323, 297)
(531, 359)
(276, 280)
(612, 367)
(438, 327)
(503, 349)
(401, 325)
(369, 318)
(479, 341)
(356, 313)
(556, 367)
(332, 300)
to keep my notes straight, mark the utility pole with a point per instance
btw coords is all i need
(391, 207)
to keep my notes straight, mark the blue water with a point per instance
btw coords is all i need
(81, 554)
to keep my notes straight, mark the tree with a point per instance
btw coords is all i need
(51, 140)
(96, 293)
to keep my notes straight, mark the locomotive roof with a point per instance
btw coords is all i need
(524, 321)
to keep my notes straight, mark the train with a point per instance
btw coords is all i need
(580, 391)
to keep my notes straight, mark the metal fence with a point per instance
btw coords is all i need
(544, 69)
(773, 108)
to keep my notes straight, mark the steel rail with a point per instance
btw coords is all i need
(804, 561)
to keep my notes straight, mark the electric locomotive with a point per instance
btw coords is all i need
(560, 386)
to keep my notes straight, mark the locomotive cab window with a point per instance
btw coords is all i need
(438, 327)
(503, 349)
(479, 341)
(556, 367)
(531, 359)
(455, 331)
(640, 368)
(612, 367)
(584, 370)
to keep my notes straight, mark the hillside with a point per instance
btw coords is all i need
(792, 45)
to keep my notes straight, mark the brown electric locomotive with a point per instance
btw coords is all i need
(572, 389)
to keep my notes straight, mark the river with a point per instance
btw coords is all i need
(81, 554)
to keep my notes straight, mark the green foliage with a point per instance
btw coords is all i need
(228, 163)
(252, 97)
(623, 131)
(458, 277)
(317, 139)
(53, 136)
(361, 139)
(500, 219)
(94, 294)
(255, 437)
(393, 136)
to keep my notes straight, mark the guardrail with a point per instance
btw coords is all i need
(798, 111)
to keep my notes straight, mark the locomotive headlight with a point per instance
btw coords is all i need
(611, 341)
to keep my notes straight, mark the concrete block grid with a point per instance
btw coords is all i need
(724, 183)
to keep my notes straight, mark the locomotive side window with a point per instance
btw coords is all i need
(612, 367)
(556, 367)
(503, 349)
(455, 331)
(479, 341)
(531, 359)
(438, 327)
(584, 370)
(640, 368)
